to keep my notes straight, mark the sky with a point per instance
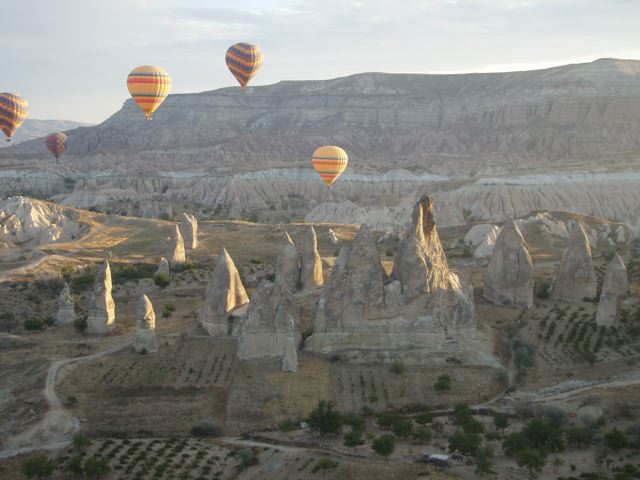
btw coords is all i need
(70, 58)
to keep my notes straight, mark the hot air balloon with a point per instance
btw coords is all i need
(13, 112)
(329, 161)
(149, 86)
(244, 60)
(56, 143)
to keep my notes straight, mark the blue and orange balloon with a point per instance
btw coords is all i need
(13, 112)
(244, 60)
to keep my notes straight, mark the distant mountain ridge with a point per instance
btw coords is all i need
(457, 125)
(33, 128)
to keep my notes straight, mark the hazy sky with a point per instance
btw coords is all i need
(70, 58)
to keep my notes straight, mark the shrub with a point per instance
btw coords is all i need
(48, 321)
(443, 383)
(325, 418)
(37, 467)
(162, 280)
(422, 435)
(353, 439)
(384, 445)
(247, 458)
(398, 367)
(616, 439)
(81, 442)
(205, 429)
(465, 443)
(96, 467)
(33, 325)
(323, 465)
(80, 323)
(424, 417)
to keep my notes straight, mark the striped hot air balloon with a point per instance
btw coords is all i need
(56, 143)
(244, 60)
(149, 86)
(13, 112)
(329, 161)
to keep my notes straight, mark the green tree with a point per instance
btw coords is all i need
(616, 439)
(461, 414)
(356, 422)
(424, 417)
(422, 435)
(465, 443)
(38, 467)
(543, 436)
(162, 280)
(74, 467)
(384, 445)
(247, 458)
(323, 465)
(402, 428)
(532, 459)
(353, 439)
(33, 325)
(442, 384)
(96, 468)
(325, 418)
(500, 421)
(484, 460)
(81, 442)
(514, 442)
(387, 420)
(579, 437)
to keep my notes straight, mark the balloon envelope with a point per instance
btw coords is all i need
(330, 161)
(13, 112)
(149, 86)
(56, 143)
(244, 60)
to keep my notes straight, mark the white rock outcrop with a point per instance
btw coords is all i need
(311, 268)
(189, 230)
(287, 264)
(482, 239)
(175, 252)
(509, 278)
(225, 294)
(290, 357)
(575, 279)
(163, 267)
(422, 306)
(614, 287)
(145, 339)
(102, 313)
(66, 307)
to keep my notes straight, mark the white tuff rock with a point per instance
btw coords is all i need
(145, 340)
(482, 239)
(66, 307)
(311, 269)
(576, 277)
(287, 264)
(614, 288)
(102, 314)
(189, 229)
(509, 278)
(163, 267)
(290, 357)
(224, 295)
(175, 253)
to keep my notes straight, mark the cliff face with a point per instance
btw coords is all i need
(476, 122)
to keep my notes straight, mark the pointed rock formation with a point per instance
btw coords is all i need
(163, 267)
(290, 357)
(287, 265)
(224, 295)
(189, 230)
(576, 277)
(266, 327)
(614, 288)
(66, 307)
(509, 278)
(311, 270)
(175, 253)
(424, 306)
(102, 313)
(145, 340)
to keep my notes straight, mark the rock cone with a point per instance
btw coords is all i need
(614, 288)
(189, 230)
(287, 264)
(224, 295)
(509, 278)
(145, 340)
(175, 252)
(66, 307)
(311, 270)
(576, 277)
(102, 313)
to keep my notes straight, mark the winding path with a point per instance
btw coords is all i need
(56, 429)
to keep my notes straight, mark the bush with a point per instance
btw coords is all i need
(356, 422)
(49, 321)
(127, 272)
(167, 310)
(465, 443)
(96, 467)
(616, 439)
(162, 280)
(325, 418)
(543, 289)
(387, 420)
(398, 367)
(323, 465)
(402, 428)
(247, 458)
(384, 445)
(424, 417)
(205, 429)
(443, 383)
(422, 435)
(353, 439)
(33, 325)
(37, 467)
(80, 323)
(81, 442)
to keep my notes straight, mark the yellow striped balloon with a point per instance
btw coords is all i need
(149, 86)
(329, 161)
(13, 112)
